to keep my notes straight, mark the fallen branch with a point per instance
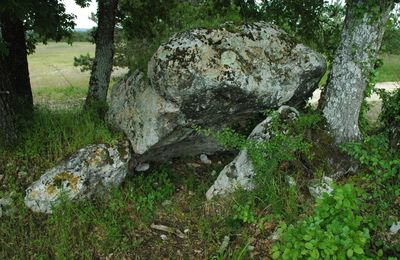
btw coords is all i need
(170, 230)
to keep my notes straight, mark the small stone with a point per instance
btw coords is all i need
(395, 228)
(213, 173)
(163, 237)
(22, 174)
(290, 180)
(166, 203)
(275, 236)
(317, 190)
(186, 231)
(142, 167)
(250, 248)
(204, 159)
(194, 165)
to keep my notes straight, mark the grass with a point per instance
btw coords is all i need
(52, 65)
(56, 83)
(52, 136)
(390, 71)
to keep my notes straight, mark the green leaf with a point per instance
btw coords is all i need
(276, 255)
(307, 237)
(358, 250)
(350, 252)
(309, 245)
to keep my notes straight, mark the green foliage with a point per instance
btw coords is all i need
(85, 62)
(43, 19)
(285, 147)
(334, 231)
(391, 38)
(244, 213)
(380, 176)
(390, 115)
(374, 153)
(147, 24)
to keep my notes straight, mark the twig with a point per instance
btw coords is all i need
(177, 232)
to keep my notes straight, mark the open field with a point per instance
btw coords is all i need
(390, 71)
(55, 80)
(52, 65)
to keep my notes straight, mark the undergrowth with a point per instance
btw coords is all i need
(352, 223)
(274, 161)
(334, 231)
(51, 136)
(87, 229)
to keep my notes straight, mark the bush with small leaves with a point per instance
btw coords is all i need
(335, 230)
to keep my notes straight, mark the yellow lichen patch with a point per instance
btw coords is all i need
(51, 190)
(66, 176)
(100, 155)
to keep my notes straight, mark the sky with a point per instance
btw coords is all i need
(82, 14)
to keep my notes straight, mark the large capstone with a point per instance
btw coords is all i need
(211, 78)
(240, 172)
(90, 172)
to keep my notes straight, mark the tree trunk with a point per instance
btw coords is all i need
(7, 104)
(102, 65)
(13, 33)
(353, 63)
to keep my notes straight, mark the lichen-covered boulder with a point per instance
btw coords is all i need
(89, 172)
(211, 78)
(240, 172)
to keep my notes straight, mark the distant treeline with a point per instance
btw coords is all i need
(82, 36)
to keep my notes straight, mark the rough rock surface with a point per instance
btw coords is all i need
(89, 172)
(240, 172)
(394, 228)
(211, 78)
(319, 188)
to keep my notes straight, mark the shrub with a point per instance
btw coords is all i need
(334, 231)
(284, 148)
(390, 115)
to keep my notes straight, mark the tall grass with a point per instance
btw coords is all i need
(51, 136)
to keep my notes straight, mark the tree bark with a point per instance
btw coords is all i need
(7, 104)
(13, 33)
(102, 64)
(353, 63)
